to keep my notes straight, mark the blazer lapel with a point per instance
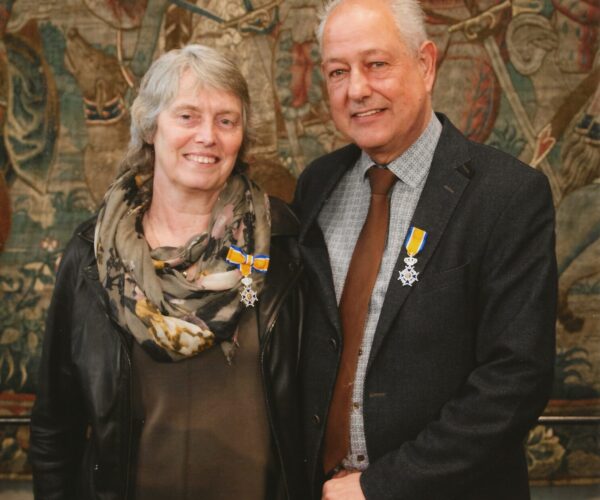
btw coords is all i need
(312, 242)
(448, 177)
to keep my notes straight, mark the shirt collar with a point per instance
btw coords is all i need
(412, 166)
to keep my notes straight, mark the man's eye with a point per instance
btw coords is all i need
(336, 73)
(185, 116)
(378, 64)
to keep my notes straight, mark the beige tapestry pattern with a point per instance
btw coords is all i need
(521, 75)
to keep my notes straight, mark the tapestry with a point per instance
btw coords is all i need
(521, 75)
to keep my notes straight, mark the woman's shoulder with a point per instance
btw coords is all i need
(85, 230)
(80, 248)
(283, 219)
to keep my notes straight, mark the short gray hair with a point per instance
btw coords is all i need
(408, 16)
(159, 87)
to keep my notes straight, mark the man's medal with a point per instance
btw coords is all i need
(414, 243)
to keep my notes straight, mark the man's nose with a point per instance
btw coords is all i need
(358, 87)
(205, 133)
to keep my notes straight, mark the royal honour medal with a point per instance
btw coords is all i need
(414, 243)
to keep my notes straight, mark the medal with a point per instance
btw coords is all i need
(414, 243)
(247, 263)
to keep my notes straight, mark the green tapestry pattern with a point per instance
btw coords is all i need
(521, 75)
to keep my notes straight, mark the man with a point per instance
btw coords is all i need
(426, 390)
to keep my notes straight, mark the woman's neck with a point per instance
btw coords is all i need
(172, 221)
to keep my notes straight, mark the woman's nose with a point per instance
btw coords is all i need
(205, 134)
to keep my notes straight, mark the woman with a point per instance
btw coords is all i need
(168, 367)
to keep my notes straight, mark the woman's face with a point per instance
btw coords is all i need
(197, 139)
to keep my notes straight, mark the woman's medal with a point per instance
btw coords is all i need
(247, 263)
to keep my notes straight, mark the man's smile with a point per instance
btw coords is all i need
(371, 112)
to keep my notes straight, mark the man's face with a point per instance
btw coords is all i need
(379, 90)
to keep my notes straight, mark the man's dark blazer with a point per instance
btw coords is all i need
(461, 363)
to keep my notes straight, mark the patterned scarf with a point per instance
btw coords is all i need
(176, 302)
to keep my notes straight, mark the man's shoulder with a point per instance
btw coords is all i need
(321, 165)
(500, 167)
(486, 164)
(480, 156)
(321, 175)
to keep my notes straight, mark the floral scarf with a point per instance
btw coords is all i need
(176, 302)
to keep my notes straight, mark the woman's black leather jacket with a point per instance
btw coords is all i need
(84, 431)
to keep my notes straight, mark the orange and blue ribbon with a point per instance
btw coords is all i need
(247, 263)
(415, 241)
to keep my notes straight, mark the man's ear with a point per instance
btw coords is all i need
(427, 60)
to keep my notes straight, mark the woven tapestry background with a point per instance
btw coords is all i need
(521, 75)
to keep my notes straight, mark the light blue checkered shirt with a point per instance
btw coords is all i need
(341, 219)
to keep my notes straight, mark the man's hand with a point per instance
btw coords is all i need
(344, 485)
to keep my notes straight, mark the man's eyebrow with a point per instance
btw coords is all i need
(366, 53)
(334, 60)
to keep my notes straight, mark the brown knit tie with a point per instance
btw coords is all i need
(354, 305)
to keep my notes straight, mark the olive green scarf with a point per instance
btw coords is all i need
(176, 302)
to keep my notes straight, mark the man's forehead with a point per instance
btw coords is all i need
(359, 12)
(360, 28)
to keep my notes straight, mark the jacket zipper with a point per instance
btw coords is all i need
(120, 334)
(271, 324)
(130, 404)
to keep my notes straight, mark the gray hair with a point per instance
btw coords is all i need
(159, 87)
(408, 16)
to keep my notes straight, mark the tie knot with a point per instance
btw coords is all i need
(381, 180)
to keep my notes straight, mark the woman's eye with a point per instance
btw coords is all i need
(228, 122)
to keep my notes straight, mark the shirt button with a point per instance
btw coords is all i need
(316, 419)
(360, 351)
(356, 406)
(360, 458)
(333, 343)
